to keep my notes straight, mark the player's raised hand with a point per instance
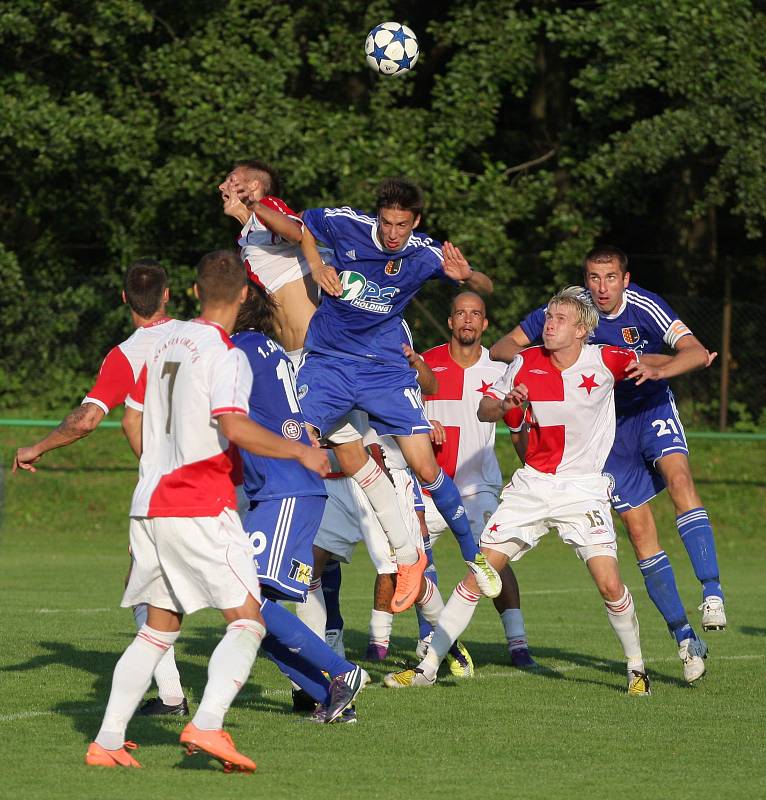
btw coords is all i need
(641, 372)
(315, 459)
(438, 434)
(455, 264)
(326, 277)
(24, 459)
(516, 396)
(233, 205)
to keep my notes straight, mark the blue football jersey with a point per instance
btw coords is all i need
(274, 404)
(644, 323)
(364, 322)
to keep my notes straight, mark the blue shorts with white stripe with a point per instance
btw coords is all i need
(282, 533)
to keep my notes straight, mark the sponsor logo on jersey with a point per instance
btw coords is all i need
(459, 513)
(539, 371)
(630, 335)
(300, 572)
(393, 267)
(438, 369)
(351, 254)
(610, 488)
(676, 440)
(364, 294)
(303, 390)
(291, 429)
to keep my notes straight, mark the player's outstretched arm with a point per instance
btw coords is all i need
(509, 346)
(279, 223)
(77, 424)
(325, 276)
(690, 355)
(251, 436)
(427, 380)
(456, 266)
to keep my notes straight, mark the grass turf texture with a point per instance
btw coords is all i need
(566, 730)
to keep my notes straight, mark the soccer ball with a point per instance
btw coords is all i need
(391, 48)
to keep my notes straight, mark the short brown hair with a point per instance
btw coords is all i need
(220, 277)
(603, 254)
(144, 285)
(400, 193)
(267, 175)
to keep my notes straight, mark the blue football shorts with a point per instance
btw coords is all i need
(282, 534)
(642, 438)
(331, 386)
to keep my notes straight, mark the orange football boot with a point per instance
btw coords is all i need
(217, 744)
(409, 578)
(97, 756)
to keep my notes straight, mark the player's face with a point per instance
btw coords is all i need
(395, 227)
(236, 184)
(468, 320)
(606, 284)
(561, 329)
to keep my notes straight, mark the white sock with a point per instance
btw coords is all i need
(131, 679)
(381, 623)
(312, 612)
(623, 619)
(452, 622)
(228, 670)
(431, 604)
(513, 625)
(382, 496)
(166, 672)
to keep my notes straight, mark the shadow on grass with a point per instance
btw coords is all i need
(748, 630)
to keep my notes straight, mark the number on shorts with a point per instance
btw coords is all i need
(258, 541)
(285, 374)
(595, 518)
(665, 427)
(170, 368)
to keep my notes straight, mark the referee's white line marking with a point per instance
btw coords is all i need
(517, 673)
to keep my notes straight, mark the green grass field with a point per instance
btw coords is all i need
(568, 730)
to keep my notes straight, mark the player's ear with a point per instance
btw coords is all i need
(166, 295)
(243, 294)
(195, 289)
(124, 296)
(416, 222)
(625, 280)
(484, 325)
(449, 321)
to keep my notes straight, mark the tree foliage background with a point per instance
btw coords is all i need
(536, 128)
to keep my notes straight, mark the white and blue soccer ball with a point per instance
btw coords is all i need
(391, 48)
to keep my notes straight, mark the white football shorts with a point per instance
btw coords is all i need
(534, 502)
(479, 507)
(187, 563)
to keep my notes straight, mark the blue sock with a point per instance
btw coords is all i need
(331, 578)
(661, 586)
(309, 678)
(301, 641)
(447, 500)
(424, 626)
(697, 536)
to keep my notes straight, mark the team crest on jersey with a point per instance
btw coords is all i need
(364, 294)
(393, 267)
(303, 390)
(300, 572)
(630, 335)
(291, 429)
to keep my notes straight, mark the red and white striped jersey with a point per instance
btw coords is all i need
(468, 455)
(191, 377)
(122, 365)
(572, 411)
(271, 262)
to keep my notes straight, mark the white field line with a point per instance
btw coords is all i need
(75, 610)
(517, 673)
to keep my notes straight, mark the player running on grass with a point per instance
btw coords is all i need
(189, 547)
(145, 292)
(569, 386)
(650, 450)
(269, 249)
(353, 345)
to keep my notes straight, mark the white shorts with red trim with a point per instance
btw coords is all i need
(534, 503)
(479, 508)
(187, 563)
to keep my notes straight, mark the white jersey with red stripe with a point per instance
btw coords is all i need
(270, 260)
(572, 411)
(468, 454)
(193, 376)
(120, 369)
